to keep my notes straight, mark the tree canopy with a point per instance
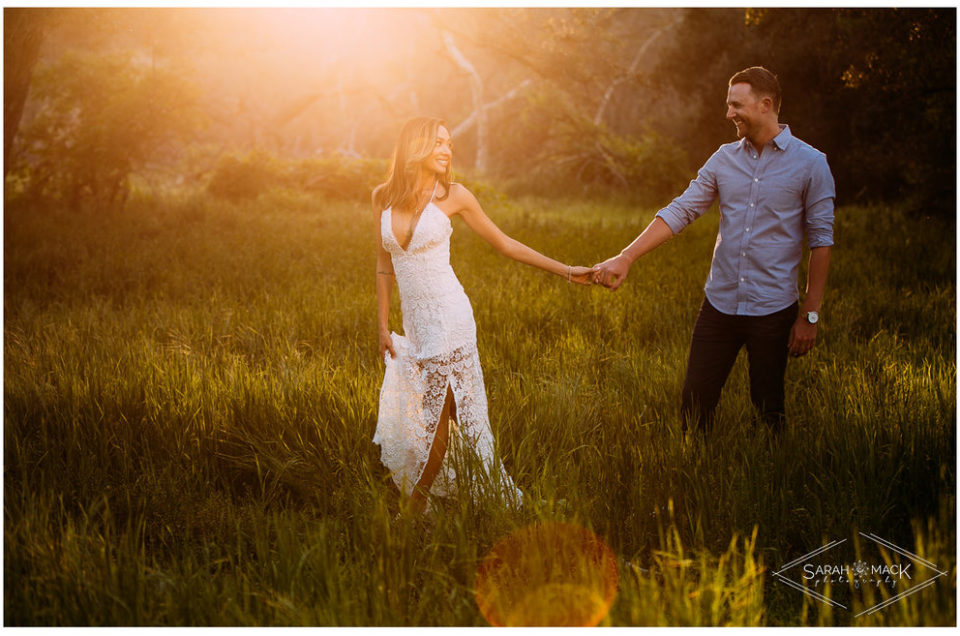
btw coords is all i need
(560, 100)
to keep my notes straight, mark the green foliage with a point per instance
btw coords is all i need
(191, 385)
(584, 126)
(238, 178)
(578, 100)
(102, 119)
(578, 157)
(245, 177)
(849, 77)
(340, 177)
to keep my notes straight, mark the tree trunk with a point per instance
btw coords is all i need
(476, 88)
(22, 37)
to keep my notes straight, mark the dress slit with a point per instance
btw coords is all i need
(433, 438)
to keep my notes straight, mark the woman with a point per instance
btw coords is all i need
(433, 372)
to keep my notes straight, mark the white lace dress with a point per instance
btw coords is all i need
(439, 350)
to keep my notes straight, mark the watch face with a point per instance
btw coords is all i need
(813, 317)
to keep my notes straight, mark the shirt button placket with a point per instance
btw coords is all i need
(754, 196)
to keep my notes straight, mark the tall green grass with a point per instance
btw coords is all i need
(191, 386)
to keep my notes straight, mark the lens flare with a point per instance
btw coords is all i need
(547, 574)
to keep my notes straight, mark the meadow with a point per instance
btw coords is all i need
(191, 387)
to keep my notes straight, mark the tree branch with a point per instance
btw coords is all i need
(467, 123)
(598, 118)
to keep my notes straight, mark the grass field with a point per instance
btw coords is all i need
(191, 386)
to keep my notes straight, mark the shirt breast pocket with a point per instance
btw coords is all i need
(786, 200)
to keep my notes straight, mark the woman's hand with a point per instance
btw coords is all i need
(386, 344)
(581, 275)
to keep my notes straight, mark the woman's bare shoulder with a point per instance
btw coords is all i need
(457, 199)
(460, 195)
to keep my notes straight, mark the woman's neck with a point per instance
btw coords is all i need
(426, 181)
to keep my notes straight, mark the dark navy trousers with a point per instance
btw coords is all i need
(717, 339)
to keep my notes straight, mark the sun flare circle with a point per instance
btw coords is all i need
(547, 574)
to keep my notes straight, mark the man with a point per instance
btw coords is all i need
(772, 189)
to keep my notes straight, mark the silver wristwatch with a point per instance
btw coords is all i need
(812, 317)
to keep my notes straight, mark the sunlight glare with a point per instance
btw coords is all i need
(547, 574)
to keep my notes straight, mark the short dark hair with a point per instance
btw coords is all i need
(762, 82)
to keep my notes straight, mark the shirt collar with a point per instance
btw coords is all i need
(781, 141)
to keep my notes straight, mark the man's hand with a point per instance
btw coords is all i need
(612, 272)
(803, 336)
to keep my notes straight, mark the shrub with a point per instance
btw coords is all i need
(247, 176)
(98, 120)
(237, 178)
(340, 177)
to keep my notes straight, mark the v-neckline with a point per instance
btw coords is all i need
(415, 227)
(413, 232)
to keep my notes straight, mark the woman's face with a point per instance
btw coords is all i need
(438, 161)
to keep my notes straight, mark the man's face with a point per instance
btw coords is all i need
(744, 109)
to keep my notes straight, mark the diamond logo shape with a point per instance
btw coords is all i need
(880, 564)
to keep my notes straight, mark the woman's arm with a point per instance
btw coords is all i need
(384, 289)
(467, 206)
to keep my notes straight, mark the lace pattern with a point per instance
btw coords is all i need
(438, 350)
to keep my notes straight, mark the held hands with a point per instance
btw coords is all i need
(612, 272)
(581, 275)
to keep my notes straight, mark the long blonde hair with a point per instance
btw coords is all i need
(415, 143)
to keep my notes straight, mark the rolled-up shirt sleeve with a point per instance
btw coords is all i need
(695, 200)
(818, 204)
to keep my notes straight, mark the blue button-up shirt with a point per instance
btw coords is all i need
(767, 201)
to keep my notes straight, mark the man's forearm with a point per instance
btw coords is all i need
(819, 265)
(655, 234)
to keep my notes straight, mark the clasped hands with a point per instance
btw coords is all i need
(610, 273)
